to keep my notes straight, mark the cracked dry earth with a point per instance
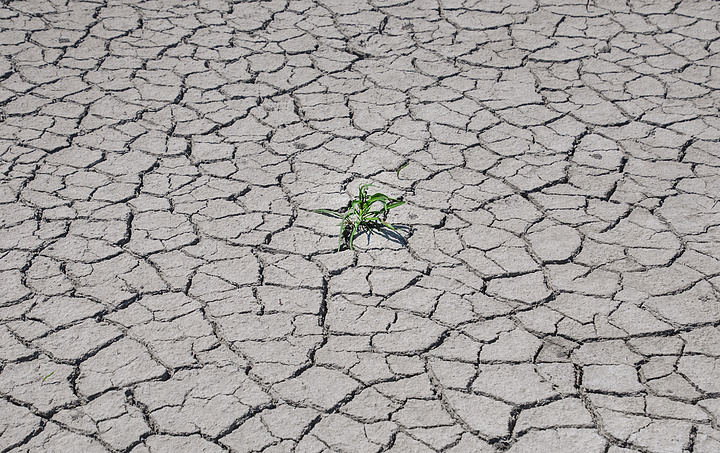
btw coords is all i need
(167, 287)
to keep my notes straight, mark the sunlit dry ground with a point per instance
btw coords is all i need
(165, 285)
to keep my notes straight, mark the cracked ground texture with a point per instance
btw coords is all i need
(165, 285)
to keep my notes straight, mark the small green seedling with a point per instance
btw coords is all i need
(360, 214)
(43, 379)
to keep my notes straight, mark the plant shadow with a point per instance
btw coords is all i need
(396, 236)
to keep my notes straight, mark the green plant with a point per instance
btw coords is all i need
(360, 214)
(397, 172)
(43, 379)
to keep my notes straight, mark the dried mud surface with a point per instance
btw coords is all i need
(165, 285)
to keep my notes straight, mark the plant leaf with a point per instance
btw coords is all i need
(378, 197)
(397, 172)
(352, 235)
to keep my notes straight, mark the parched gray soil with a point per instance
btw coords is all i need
(553, 285)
